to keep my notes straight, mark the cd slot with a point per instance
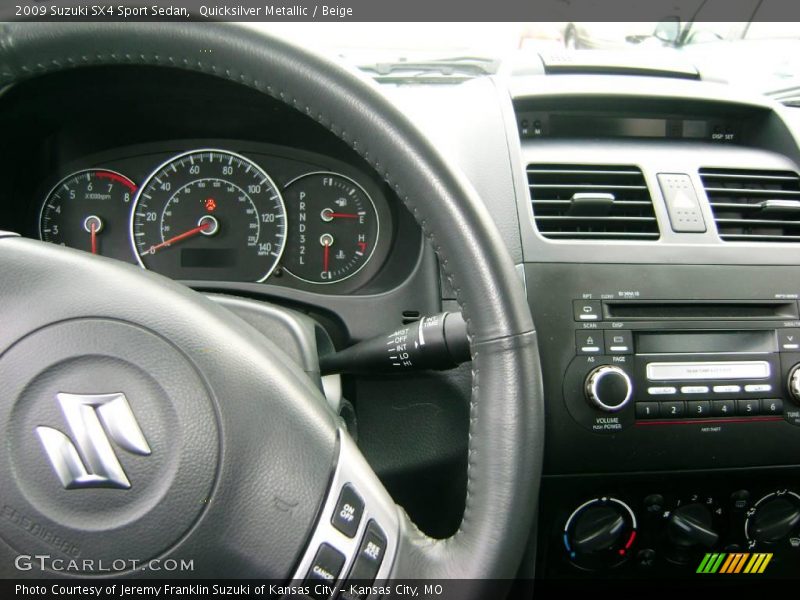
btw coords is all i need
(648, 310)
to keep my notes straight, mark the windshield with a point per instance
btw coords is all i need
(762, 55)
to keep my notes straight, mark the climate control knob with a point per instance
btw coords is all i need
(599, 533)
(608, 388)
(774, 518)
(691, 525)
(794, 383)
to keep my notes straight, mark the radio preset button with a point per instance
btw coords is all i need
(772, 406)
(694, 389)
(589, 341)
(698, 408)
(727, 389)
(723, 408)
(586, 310)
(662, 391)
(748, 408)
(673, 410)
(758, 387)
(618, 342)
(647, 410)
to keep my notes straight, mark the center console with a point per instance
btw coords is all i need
(673, 418)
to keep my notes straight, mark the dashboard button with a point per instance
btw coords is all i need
(723, 408)
(647, 410)
(589, 341)
(672, 410)
(727, 389)
(758, 387)
(326, 568)
(586, 310)
(348, 511)
(662, 391)
(747, 408)
(694, 389)
(698, 408)
(772, 406)
(683, 206)
(618, 342)
(789, 339)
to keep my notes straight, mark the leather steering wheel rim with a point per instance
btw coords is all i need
(506, 413)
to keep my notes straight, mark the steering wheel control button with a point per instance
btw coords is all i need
(683, 206)
(587, 310)
(368, 561)
(608, 388)
(589, 341)
(618, 342)
(325, 569)
(349, 510)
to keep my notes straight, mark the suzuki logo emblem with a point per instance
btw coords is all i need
(94, 420)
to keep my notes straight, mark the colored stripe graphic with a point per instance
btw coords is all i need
(735, 562)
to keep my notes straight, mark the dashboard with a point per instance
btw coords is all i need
(654, 225)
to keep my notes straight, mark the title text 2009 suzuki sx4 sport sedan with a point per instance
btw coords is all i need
(371, 309)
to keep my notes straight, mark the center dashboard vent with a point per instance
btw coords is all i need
(591, 202)
(754, 206)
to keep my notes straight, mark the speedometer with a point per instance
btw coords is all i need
(209, 214)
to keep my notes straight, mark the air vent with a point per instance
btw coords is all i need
(591, 202)
(754, 206)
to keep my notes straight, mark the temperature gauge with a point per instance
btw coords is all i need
(333, 228)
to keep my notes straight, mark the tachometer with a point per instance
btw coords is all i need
(333, 227)
(89, 210)
(209, 214)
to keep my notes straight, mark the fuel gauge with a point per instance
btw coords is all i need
(333, 228)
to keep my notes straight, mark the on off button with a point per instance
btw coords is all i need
(348, 512)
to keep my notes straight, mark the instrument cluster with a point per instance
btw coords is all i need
(220, 212)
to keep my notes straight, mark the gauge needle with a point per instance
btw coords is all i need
(335, 215)
(178, 238)
(326, 250)
(93, 227)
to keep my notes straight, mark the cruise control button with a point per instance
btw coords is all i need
(589, 341)
(723, 408)
(325, 571)
(586, 310)
(618, 342)
(367, 562)
(773, 406)
(672, 410)
(698, 408)
(647, 410)
(348, 512)
(747, 408)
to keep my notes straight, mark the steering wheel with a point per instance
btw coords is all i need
(144, 423)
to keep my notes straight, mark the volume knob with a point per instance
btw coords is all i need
(608, 388)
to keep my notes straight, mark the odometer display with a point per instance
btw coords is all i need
(209, 214)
